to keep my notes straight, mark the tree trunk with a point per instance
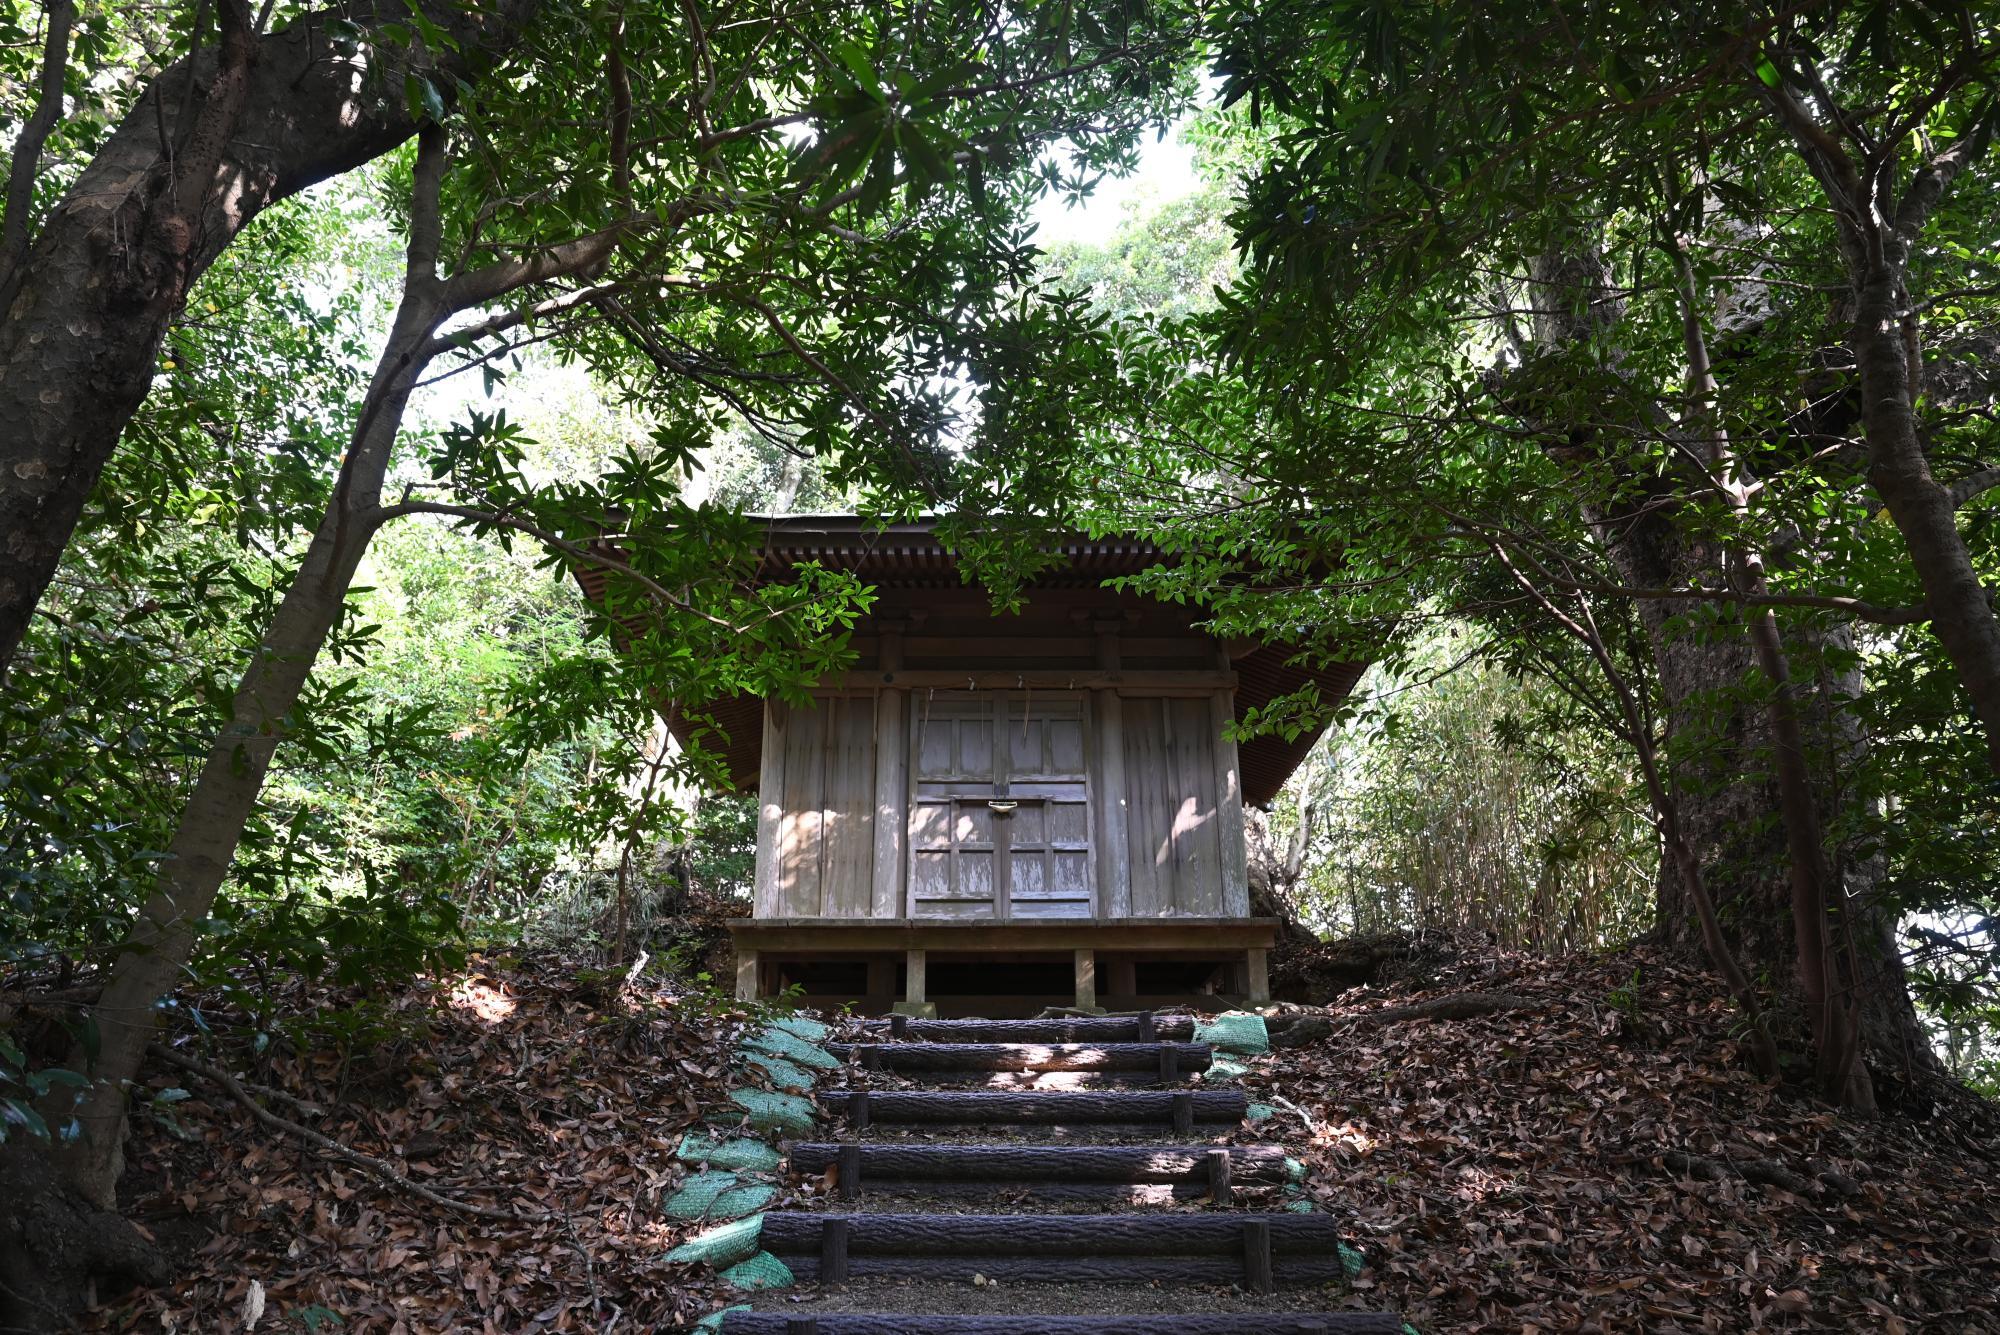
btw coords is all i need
(225, 794)
(1731, 811)
(86, 309)
(1961, 614)
(1721, 747)
(56, 1247)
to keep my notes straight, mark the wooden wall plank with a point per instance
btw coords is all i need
(847, 866)
(1149, 818)
(1198, 878)
(799, 842)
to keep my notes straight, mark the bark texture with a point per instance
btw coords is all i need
(211, 143)
(56, 1249)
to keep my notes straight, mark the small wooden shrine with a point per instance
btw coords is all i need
(992, 813)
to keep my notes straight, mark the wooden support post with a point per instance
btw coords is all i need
(1108, 798)
(833, 1252)
(1086, 979)
(892, 760)
(802, 1325)
(1219, 1191)
(1147, 1032)
(770, 812)
(913, 981)
(1170, 1064)
(849, 1172)
(746, 975)
(882, 981)
(871, 1057)
(857, 1111)
(899, 1026)
(1183, 1112)
(1260, 976)
(1257, 1256)
(1229, 808)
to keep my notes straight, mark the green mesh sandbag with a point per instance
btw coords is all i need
(1223, 1069)
(717, 1196)
(1234, 1031)
(750, 1155)
(1352, 1262)
(799, 1026)
(1259, 1112)
(723, 1246)
(1300, 1207)
(780, 1072)
(787, 1113)
(762, 1271)
(792, 1048)
(1295, 1171)
(713, 1321)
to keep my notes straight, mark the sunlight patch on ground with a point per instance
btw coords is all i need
(484, 998)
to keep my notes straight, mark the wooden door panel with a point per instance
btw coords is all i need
(972, 855)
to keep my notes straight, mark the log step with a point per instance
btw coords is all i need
(1291, 1236)
(1258, 1251)
(979, 1107)
(1072, 1164)
(1221, 1323)
(1167, 1059)
(1067, 1029)
(1251, 1250)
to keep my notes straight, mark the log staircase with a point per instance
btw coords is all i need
(1116, 1141)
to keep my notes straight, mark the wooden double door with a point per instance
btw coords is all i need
(1000, 823)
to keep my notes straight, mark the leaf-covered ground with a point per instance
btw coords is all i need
(534, 1087)
(1584, 1165)
(1509, 1172)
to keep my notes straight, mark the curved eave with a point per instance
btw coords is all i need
(911, 556)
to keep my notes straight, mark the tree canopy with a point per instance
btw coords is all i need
(1619, 381)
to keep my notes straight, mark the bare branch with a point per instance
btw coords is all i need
(333, 1149)
(575, 550)
(1972, 485)
(620, 79)
(28, 147)
(476, 287)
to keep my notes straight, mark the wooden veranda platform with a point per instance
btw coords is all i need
(957, 968)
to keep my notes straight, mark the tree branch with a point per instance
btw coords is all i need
(479, 286)
(574, 550)
(28, 147)
(1972, 485)
(1927, 187)
(455, 340)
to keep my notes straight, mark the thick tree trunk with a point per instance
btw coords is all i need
(86, 309)
(225, 794)
(1721, 750)
(1731, 811)
(55, 1249)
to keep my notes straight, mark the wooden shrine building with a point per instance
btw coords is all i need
(992, 813)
